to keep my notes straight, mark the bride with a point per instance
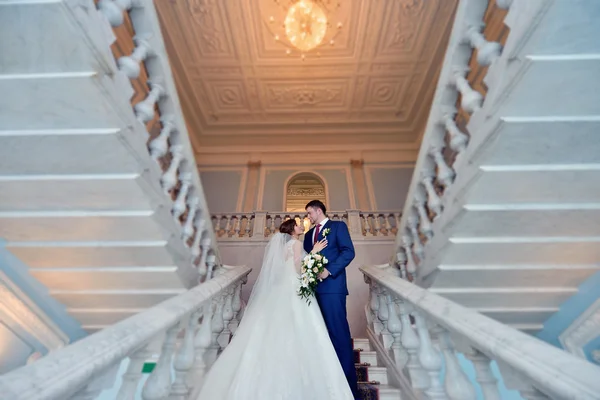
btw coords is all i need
(281, 349)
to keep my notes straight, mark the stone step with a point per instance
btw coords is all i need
(365, 356)
(381, 392)
(362, 344)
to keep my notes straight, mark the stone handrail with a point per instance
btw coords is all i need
(443, 142)
(78, 370)
(171, 150)
(418, 329)
(260, 225)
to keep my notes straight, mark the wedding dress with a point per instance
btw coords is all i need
(281, 349)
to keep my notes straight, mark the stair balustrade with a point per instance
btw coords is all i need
(445, 140)
(260, 225)
(182, 331)
(420, 334)
(170, 149)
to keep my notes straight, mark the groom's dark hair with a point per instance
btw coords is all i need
(317, 204)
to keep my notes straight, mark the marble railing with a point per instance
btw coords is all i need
(187, 331)
(174, 162)
(423, 337)
(259, 225)
(445, 140)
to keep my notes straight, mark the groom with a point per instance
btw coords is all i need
(332, 291)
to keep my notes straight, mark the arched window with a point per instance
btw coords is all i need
(302, 188)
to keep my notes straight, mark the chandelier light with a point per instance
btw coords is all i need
(307, 25)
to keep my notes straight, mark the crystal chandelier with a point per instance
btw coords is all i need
(306, 25)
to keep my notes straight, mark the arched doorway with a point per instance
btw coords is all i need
(302, 188)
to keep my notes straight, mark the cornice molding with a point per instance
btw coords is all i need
(582, 331)
(18, 309)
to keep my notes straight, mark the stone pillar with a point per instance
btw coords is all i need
(360, 184)
(251, 188)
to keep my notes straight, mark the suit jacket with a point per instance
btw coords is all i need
(339, 252)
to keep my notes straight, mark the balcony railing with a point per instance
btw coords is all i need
(260, 225)
(418, 332)
(202, 320)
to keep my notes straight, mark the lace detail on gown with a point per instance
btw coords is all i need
(281, 349)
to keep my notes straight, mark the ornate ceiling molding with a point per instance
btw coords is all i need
(373, 86)
(582, 331)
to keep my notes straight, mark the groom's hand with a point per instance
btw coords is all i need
(324, 274)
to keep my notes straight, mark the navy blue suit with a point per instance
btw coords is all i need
(332, 292)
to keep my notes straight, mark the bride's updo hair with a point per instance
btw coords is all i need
(288, 226)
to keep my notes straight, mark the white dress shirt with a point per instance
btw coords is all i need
(321, 225)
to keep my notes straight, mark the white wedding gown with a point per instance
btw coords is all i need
(281, 349)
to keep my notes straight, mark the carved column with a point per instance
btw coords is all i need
(251, 186)
(360, 184)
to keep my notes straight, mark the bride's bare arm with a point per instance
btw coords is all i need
(298, 255)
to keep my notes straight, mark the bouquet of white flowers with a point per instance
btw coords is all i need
(312, 266)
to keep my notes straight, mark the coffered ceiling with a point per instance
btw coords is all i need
(371, 89)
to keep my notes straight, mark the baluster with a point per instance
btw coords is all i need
(364, 222)
(401, 262)
(410, 341)
(248, 226)
(201, 345)
(384, 316)
(413, 222)
(420, 199)
(211, 261)
(374, 306)
(434, 203)
(411, 265)
(236, 306)
(377, 224)
(457, 384)
(144, 110)
(199, 223)
(202, 267)
(430, 360)
(238, 225)
(386, 224)
(445, 174)
(470, 99)
(169, 178)
(184, 360)
(160, 144)
(484, 375)
(130, 65)
(397, 219)
(487, 52)
(458, 139)
(272, 228)
(158, 385)
(228, 225)
(394, 325)
(179, 205)
(225, 336)
(113, 9)
(131, 378)
(217, 326)
(188, 227)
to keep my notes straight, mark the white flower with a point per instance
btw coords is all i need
(311, 280)
(326, 231)
(318, 256)
(325, 260)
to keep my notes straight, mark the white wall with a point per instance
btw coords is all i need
(383, 186)
(367, 253)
